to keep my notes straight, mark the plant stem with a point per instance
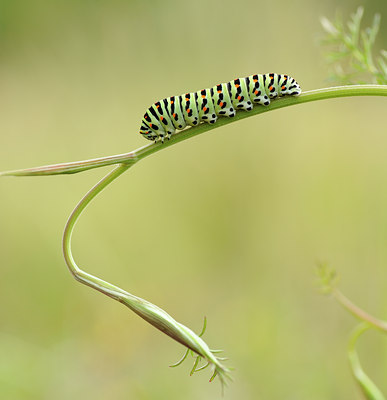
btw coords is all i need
(142, 152)
(146, 310)
(358, 312)
(79, 275)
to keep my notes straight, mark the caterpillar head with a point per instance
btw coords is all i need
(147, 133)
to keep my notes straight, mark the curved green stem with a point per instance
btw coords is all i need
(145, 151)
(370, 390)
(146, 310)
(79, 275)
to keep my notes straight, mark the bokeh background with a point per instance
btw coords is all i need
(230, 224)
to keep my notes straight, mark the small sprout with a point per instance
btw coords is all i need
(327, 278)
(196, 363)
(202, 367)
(213, 376)
(204, 327)
(181, 360)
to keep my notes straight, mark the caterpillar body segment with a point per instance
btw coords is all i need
(222, 100)
(206, 106)
(190, 109)
(163, 118)
(173, 106)
(257, 90)
(240, 95)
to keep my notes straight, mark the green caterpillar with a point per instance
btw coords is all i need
(163, 118)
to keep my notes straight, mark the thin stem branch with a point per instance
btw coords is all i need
(79, 275)
(358, 312)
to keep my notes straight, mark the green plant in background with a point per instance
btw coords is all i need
(352, 53)
(148, 311)
(353, 61)
(328, 281)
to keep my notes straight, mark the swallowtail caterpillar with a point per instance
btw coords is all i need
(163, 118)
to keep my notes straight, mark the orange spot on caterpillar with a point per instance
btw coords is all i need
(256, 92)
(239, 97)
(219, 91)
(221, 104)
(205, 109)
(171, 101)
(162, 118)
(203, 96)
(188, 110)
(174, 115)
(270, 87)
(255, 80)
(283, 87)
(237, 85)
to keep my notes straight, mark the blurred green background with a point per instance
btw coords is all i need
(229, 224)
